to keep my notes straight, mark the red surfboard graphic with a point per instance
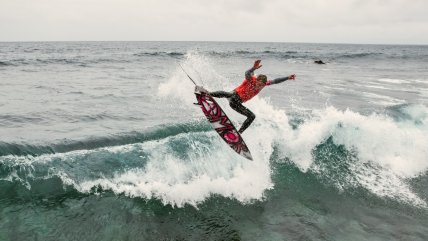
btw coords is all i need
(221, 123)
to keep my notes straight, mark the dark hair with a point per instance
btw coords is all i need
(262, 77)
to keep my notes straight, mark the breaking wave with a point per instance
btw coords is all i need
(377, 156)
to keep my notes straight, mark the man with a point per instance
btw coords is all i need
(251, 86)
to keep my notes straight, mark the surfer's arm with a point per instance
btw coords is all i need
(250, 72)
(280, 80)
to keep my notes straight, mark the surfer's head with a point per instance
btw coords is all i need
(262, 78)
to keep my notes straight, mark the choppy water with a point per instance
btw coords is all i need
(101, 141)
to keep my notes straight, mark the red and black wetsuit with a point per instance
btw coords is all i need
(244, 92)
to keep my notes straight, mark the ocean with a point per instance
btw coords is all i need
(102, 141)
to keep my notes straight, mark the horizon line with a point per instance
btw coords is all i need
(211, 41)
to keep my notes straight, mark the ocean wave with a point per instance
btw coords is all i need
(2, 63)
(182, 165)
(189, 168)
(9, 120)
(416, 115)
(260, 54)
(291, 54)
(49, 117)
(394, 81)
(72, 61)
(357, 55)
(160, 53)
(24, 149)
(85, 61)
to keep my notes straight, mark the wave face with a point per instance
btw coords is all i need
(118, 147)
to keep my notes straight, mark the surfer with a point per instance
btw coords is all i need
(249, 88)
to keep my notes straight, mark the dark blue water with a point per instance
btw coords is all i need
(101, 141)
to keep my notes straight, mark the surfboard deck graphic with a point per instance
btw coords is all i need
(221, 122)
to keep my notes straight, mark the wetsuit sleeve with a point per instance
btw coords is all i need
(277, 81)
(249, 73)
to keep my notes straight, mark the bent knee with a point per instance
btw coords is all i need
(251, 116)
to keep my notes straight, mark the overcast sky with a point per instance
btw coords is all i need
(319, 21)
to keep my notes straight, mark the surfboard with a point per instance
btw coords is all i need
(221, 122)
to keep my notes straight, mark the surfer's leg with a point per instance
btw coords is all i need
(237, 105)
(221, 94)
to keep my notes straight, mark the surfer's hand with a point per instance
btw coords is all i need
(292, 77)
(257, 64)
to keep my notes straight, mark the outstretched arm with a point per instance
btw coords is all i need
(250, 72)
(280, 80)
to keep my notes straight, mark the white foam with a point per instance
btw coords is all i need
(394, 81)
(422, 81)
(381, 87)
(207, 168)
(382, 99)
(376, 137)
(178, 181)
(399, 149)
(383, 183)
